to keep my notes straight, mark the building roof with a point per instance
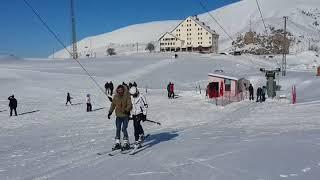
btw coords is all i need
(225, 76)
(171, 35)
(196, 19)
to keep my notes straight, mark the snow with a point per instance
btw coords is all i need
(234, 18)
(197, 140)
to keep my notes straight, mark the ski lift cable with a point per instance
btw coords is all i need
(61, 43)
(216, 21)
(264, 24)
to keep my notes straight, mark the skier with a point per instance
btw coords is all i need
(172, 90)
(130, 85)
(89, 106)
(111, 88)
(139, 113)
(264, 89)
(121, 103)
(168, 89)
(251, 92)
(259, 94)
(68, 99)
(13, 105)
(107, 87)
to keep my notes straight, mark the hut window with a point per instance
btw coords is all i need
(227, 83)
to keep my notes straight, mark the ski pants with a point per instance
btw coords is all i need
(13, 109)
(138, 130)
(89, 107)
(251, 96)
(122, 124)
(68, 101)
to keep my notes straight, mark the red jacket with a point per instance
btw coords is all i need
(171, 87)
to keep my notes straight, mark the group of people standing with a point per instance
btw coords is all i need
(170, 89)
(109, 88)
(261, 93)
(128, 104)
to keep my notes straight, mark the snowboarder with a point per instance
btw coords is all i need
(107, 87)
(13, 105)
(251, 92)
(68, 99)
(122, 105)
(89, 105)
(111, 88)
(139, 113)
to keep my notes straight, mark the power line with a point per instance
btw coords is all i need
(207, 10)
(264, 24)
(61, 43)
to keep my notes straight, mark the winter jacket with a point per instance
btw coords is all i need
(13, 102)
(172, 88)
(121, 104)
(139, 105)
(168, 87)
(88, 100)
(251, 89)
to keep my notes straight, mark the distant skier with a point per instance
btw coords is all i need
(107, 88)
(168, 89)
(175, 56)
(89, 105)
(121, 103)
(259, 94)
(130, 85)
(251, 92)
(13, 105)
(264, 89)
(172, 90)
(111, 88)
(68, 99)
(139, 113)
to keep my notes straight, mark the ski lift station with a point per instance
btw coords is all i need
(221, 84)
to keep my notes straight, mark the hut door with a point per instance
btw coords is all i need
(213, 89)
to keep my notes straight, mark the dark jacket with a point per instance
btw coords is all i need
(13, 102)
(251, 89)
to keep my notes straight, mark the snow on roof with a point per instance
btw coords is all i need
(225, 76)
(196, 19)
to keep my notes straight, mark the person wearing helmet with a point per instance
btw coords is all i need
(139, 113)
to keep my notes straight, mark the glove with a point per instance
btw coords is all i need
(109, 115)
(144, 118)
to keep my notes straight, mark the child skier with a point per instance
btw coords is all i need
(89, 106)
(68, 99)
(139, 113)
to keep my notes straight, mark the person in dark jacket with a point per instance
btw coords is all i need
(135, 84)
(251, 92)
(107, 87)
(68, 99)
(172, 90)
(13, 105)
(259, 94)
(168, 89)
(111, 88)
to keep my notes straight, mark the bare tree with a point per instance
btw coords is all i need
(150, 47)
(111, 51)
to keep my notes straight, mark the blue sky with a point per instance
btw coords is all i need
(22, 34)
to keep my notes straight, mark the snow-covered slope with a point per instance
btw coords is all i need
(304, 17)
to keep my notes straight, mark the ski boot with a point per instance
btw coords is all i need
(117, 145)
(141, 138)
(137, 145)
(126, 145)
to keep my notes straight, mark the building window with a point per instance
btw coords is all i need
(206, 32)
(209, 37)
(174, 43)
(209, 42)
(227, 83)
(195, 24)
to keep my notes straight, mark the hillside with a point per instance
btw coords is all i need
(303, 24)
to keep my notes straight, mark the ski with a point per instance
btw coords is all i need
(136, 150)
(136, 147)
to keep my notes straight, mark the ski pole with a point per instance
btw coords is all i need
(153, 122)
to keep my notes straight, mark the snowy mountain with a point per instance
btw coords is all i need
(237, 18)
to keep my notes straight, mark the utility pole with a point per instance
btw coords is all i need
(284, 55)
(53, 53)
(74, 35)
